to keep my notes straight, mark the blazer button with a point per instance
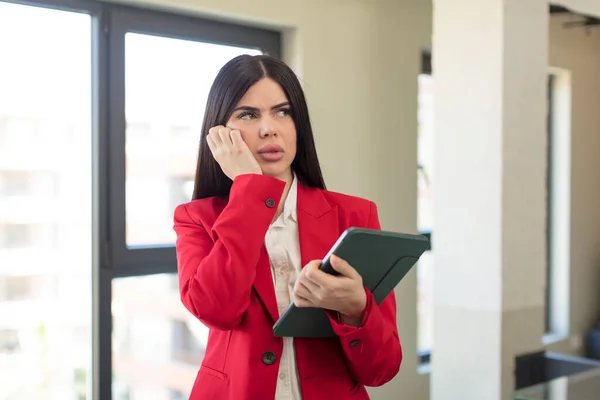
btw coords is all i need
(269, 358)
(354, 343)
(270, 203)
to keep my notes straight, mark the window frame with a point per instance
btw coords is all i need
(558, 206)
(151, 259)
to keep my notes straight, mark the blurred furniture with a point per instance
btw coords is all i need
(551, 376)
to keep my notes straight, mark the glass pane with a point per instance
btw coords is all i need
(425, 214)
(425, 154)
(45, 204)
(166, 82)
(157, 344)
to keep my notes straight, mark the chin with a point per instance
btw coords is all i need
(279, 173)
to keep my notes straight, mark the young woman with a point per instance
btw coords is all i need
(251, 240)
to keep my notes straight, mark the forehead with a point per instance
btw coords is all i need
(263, 94)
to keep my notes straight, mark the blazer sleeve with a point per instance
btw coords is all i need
(217, 268)
(373, 350)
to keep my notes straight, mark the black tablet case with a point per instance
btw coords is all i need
(381, 258)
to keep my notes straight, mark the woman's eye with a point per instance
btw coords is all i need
(246, 115)
(283, 112)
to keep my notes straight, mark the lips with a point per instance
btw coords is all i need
(271, 148)
(271, 153)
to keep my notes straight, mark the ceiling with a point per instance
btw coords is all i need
(583, 21)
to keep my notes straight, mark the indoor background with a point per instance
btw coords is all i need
(474, 122)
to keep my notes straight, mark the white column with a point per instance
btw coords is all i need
(490, 63)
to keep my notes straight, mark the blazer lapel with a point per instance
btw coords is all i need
(318, 229)
(318, 224)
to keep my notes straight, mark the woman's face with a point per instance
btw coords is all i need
(263, 117)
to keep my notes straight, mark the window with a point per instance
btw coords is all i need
(14, 183)
(19, 130)
(160, 85)
(9, 342)
(45, 203)
(99, 126)
(153, 366)
(558, 206)
(181, 189)
(17, 235)
(425, 221)
(179, 73)
(19, 183)
(15, 287)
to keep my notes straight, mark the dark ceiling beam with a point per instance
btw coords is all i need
(585, 22)
(554, 9)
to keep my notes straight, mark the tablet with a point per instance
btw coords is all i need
(381, 258)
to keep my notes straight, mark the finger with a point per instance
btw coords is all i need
(236, 139)
(311, 266)
(211, 144)
(321, 279)
(300, 285)
(225, 136)
(216, 139)
(303, 302)
(312, 272)
(302, 297)
(214, 134)
(308, 285)
(215, 129)
(342, 266)
(302, 291)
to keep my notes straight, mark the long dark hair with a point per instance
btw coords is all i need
(231, 83)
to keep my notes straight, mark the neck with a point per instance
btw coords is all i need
(288, 184)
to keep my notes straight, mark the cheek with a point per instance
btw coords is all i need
(291, 144)
(249, 138)
(290, 140)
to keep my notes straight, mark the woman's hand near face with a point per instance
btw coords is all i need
(343, 293)
(230, 151)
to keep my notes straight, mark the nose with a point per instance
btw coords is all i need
(267, 128)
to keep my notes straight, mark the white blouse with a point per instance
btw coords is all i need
(283, 247)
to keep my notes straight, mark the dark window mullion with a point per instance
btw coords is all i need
(102, 275)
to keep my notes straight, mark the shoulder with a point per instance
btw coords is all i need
(200, 211)
(342, 199)
(353, 211)
(350, 204)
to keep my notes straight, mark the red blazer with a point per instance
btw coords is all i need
(225, 281)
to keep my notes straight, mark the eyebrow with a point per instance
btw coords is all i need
(276, 106)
